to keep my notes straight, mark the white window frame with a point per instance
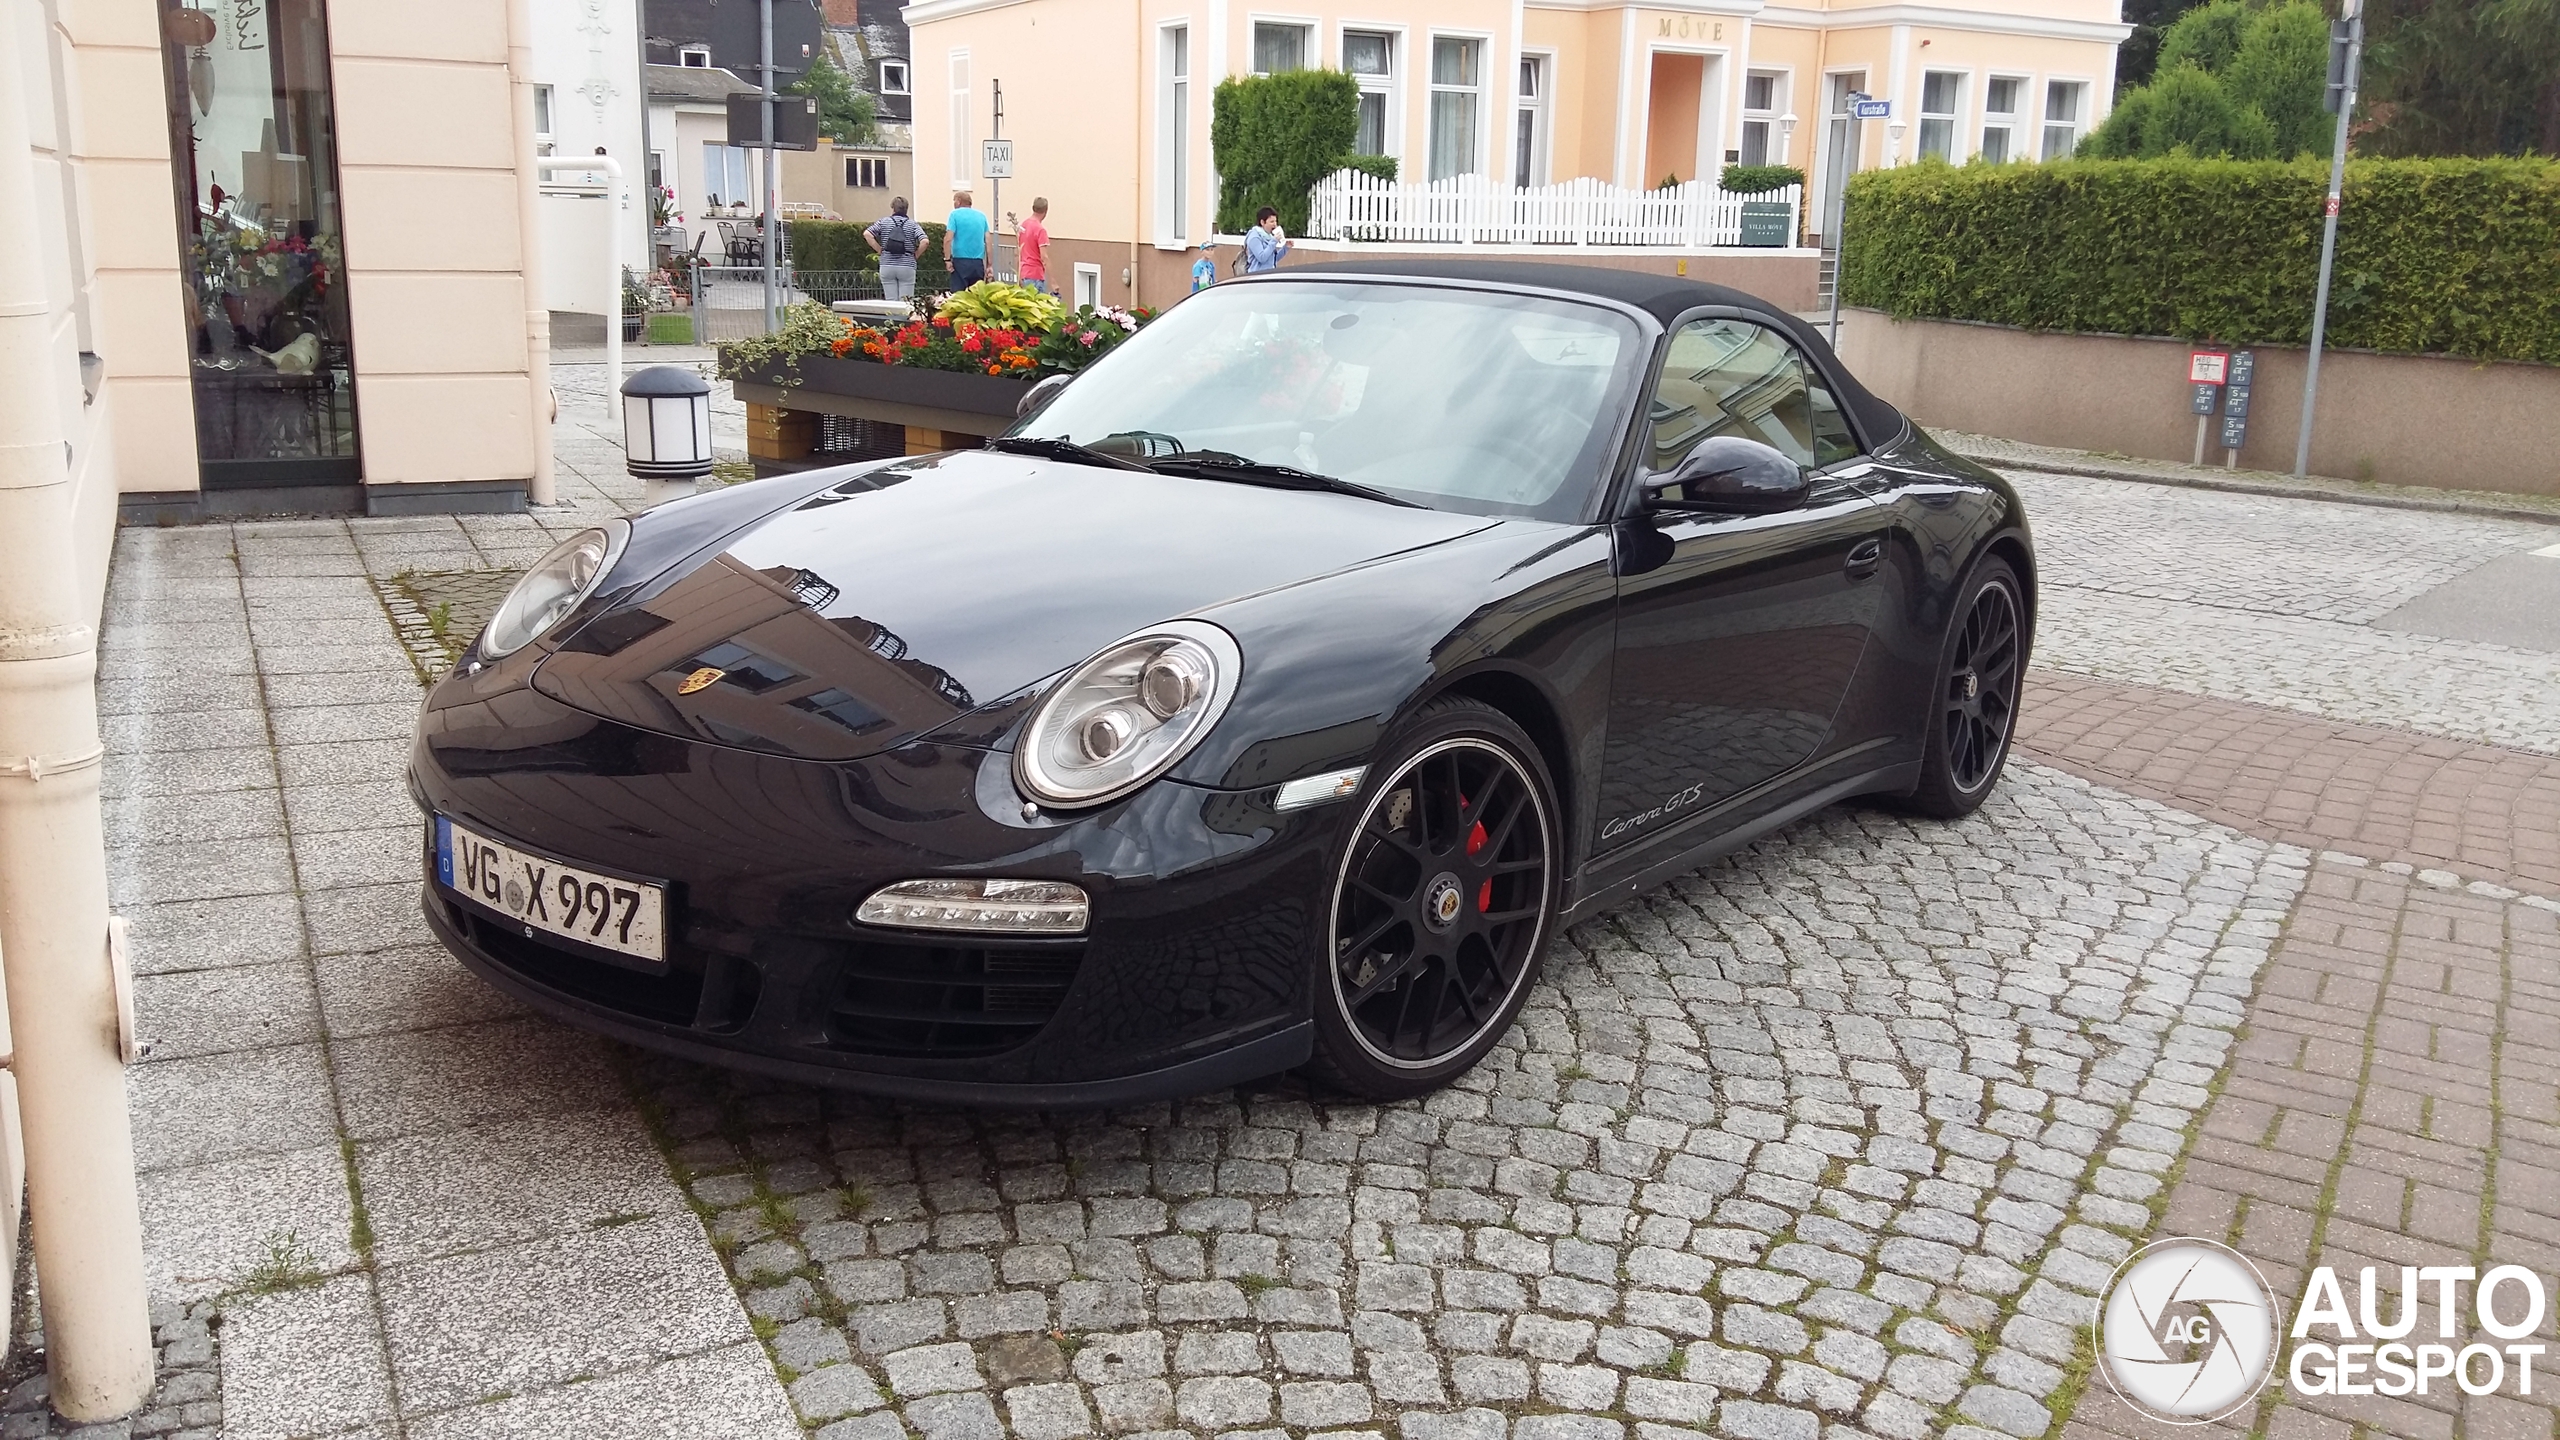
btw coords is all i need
(1775, 142)
(1399, 65)
(694, 57)
(1311, 38)
(1087, 285)
(858, 165)
(545, 120)
(1540, 111)
(2009, 121)
(2080, 122)
(1957, 150)
(1174, 95)
(905, 80)
(963, 155)
(1487, 60)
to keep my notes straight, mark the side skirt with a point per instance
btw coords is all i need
(1618, 879)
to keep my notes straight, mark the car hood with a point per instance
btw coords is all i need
(907, 597)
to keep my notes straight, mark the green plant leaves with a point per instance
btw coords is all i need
(2456, 257)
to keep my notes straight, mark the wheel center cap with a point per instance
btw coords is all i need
(1970, 683)
(1442, 899)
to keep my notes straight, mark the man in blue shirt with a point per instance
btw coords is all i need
(1265, 243)
(964, 241)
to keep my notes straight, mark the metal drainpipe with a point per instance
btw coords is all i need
(542, 488)
(62, 989)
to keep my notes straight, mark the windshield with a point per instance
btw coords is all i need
(1463, 400)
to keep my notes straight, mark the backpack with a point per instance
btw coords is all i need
(898, 237)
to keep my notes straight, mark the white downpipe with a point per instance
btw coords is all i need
(612, 169)
(62, 990)
(542, 488)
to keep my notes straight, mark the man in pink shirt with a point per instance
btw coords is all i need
(1034, 237)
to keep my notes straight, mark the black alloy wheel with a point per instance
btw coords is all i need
(1975, 710)
(1441, 906)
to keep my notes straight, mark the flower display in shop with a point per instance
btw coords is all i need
(277, 273)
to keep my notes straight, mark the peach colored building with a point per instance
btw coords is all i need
(287, 247)
(1108, 102)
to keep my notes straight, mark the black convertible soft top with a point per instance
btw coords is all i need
(1665, 297)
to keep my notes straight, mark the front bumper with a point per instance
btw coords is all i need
(1192, 975)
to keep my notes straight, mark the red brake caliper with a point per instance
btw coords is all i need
(1484, 892)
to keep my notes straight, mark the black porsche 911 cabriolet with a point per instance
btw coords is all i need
(1266, 698)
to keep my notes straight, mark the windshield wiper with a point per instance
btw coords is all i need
(1055, 449)
(1227, 465)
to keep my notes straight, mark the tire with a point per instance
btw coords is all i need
(1443, 898)
(1973, 706)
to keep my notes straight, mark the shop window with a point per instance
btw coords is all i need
(254, 157)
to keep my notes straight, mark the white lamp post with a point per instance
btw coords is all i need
(1893, 144)
(1786, 137)
(666, 430)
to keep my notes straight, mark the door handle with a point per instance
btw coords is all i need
(1864, 557)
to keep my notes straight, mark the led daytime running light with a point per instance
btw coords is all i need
(1014, 907)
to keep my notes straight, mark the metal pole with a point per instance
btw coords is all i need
(649, 209)
(2329, 238)
(772, 186)
(62, 981)
(1839, 214)
(995, 192)
(540, 488)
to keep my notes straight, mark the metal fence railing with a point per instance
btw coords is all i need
(728, 300)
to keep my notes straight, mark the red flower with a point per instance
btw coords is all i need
(973, 344)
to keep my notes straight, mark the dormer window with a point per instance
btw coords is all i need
(694, 57)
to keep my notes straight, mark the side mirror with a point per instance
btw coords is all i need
(1039, 396)
(1731, 475)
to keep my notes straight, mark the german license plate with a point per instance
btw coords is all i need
(610, 912)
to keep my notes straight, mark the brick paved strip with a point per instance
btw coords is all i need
(2386, 794)
(2391, 1103)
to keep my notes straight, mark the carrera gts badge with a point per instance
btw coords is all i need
(702, 679)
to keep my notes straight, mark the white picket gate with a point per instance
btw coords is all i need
(1473, 210)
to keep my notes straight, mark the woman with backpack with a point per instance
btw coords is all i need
(896, 239)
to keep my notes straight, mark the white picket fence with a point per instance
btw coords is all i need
(1473, 210)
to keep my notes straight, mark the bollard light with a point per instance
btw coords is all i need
(666, 424)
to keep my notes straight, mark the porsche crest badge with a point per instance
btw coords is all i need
(702, 679)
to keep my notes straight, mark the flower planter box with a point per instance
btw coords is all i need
(952, 402)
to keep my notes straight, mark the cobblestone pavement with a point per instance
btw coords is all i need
(2264, 600)
(1836, 1137)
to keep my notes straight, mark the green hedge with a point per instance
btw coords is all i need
(1275, 136)
(831, 245)
(2456, 257)
(1758, 179)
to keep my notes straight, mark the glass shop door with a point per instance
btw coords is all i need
(254, 150)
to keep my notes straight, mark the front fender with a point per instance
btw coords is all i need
(1331, 664)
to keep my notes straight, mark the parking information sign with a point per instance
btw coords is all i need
(2208, 367)
(2235, 403)
(2208, 398)
(995, 162)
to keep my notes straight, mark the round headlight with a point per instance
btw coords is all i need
(1125, 716)
(557, 584)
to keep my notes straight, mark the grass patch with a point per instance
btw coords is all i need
(289, 1265)
(671, 327)
(1253, 1285)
